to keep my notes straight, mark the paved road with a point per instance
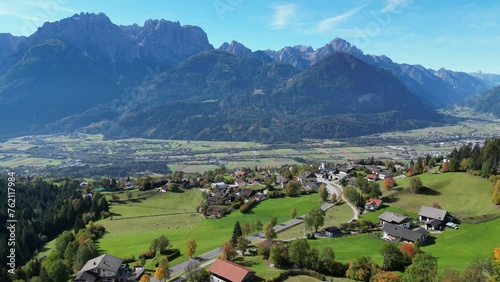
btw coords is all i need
(204, 258)
(334, 187)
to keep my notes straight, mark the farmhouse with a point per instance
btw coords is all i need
(373, 204)
(400, 234)
(432, 218)
(103, 268)
(394, 218)
(226, 271)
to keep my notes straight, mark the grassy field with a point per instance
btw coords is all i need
(138, 232)
(455, 249)
(302, 278)
(461, 194)
(351, 247)
(334, 216)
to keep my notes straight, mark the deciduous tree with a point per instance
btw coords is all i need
(360, 269)
(165, 265)
(292, 188)
(323, 192)
(393, 258)
(145, 278)
(293, 213)
(298, 251)
(416, 186)
(269, 232)
(242, 244)
(159, 274)
(191, 248)
(384, 276)
(228, 251)
(423, 268)
(314, 219)
(389, 183)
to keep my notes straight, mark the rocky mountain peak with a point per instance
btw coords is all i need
(236, 48)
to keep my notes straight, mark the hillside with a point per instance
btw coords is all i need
(218, 95)
(165, 80)
(487, 102)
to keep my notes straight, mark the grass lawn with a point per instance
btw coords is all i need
(258, 264)
(455, 249)
(351, 247)
(302, 278)
(460, 193)
(334, 216)
(138, 233)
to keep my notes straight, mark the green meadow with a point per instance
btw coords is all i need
(463, 195)
(136, 224)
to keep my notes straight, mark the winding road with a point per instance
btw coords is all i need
(335, 187)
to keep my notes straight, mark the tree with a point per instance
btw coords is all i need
(196, 274)
(360, 269)
(242, 244)
(228, 252)
(237, 232)
(278, 255)
(247, 229)
(269, 232)
(159, 274)
(86, 251)
(393, 257)
(479, 270)
(327, 261)
(445, 167)
(56, 269)
(314, 219)
(144, 278)
(62, 242)
(416, 185)
(292, 189)
(129, 195)
(191, 248)
(257, 226)
(423, 269)
(333, 198)
(298, 251)
(450, 276)
(389, 183)
(160, 244)
(384, 276)
(165, 265)
(323, 192)
(293, 213)
(495, 191)
(408, 250)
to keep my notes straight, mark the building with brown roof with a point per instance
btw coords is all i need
(226, 271)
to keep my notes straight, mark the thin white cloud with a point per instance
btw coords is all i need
(329, 24)
(393, 6)
(7, 12)
(283, 15)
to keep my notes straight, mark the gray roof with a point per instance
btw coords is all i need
(401, 232)
(432, 212)
(107, 262)
(393, 217)
(86, 276)
(421, 231)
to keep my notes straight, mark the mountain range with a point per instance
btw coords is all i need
(164, 80)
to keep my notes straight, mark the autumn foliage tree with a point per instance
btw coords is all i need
(385, 276)
(228, 252)
(159, 274)
(191, 248)
(445, 167)
(145, 278)
(389, 183)
(408, 250)
(293, 213)
(496, 193)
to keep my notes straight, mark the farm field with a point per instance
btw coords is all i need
(334, 216)
(138, 232)
(463, 195)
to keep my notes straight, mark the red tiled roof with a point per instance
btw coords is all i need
(371, 176)
(377, 202)
(229, 270)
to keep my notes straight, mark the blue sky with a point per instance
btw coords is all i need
(455, 34)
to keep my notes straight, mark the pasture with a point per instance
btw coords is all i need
(463, 195)
(135, 225)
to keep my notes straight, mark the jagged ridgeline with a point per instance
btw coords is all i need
(165, 80)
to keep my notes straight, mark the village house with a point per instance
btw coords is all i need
(394, 218)
(400, 234)
(218, 212)
(226, 271)
(332, 231)
(373, 204)
(219, 185)
(372, 177)
(107, 268)
(433, 219)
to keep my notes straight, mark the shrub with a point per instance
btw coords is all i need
(149, 254)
